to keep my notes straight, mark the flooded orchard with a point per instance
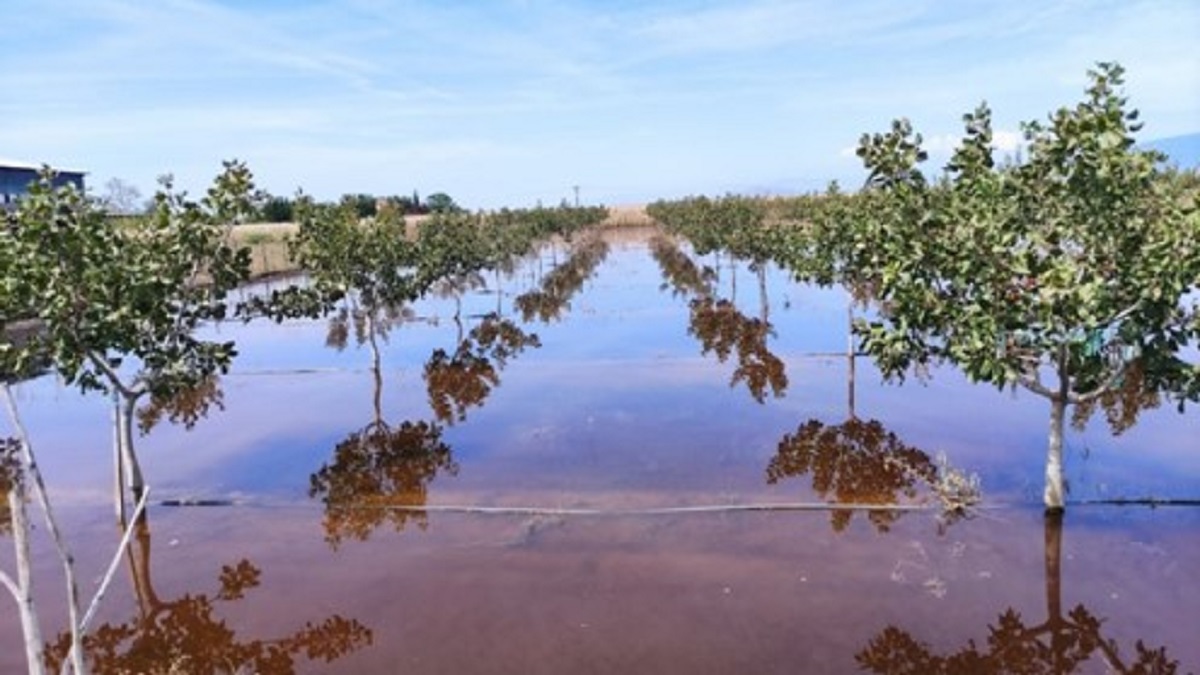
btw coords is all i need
(617, 457)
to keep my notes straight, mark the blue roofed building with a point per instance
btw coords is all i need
(15, 178)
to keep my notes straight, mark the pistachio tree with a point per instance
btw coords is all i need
(118, 307)
(1062, 274)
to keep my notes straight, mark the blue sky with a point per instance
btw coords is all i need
(511, 102)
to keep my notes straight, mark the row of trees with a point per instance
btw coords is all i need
(120, 198)
(116, 310)
(1071, 274)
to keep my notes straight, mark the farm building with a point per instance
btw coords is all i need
(15, 178)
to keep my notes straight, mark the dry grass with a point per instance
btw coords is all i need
(627, 215)
(268, 247)
(268, 241)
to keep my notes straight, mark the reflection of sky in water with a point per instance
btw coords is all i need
(618, 397)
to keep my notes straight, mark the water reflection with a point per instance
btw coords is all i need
(10, 468)
(367, 323)
(187, 635)
(548, 302)
(856, 462)
(462, 380)
(1063, 643)
(680, 273)
(376, 469)
(187, 406)
(376, 475)
(721, 328)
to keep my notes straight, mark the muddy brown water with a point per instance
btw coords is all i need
(638, 488)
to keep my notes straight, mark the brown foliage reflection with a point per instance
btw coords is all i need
(462, 380)
(10, 473)
(1121, 405)
(187, 635)
(553, 297)
(377, 472)
(367, 323)
(1066, 642)
(722, 330)
(680, 273)
(857, 462)
(188, 406)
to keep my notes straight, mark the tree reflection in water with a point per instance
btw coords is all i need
(377, 475)
(1063, 643)
(462, 380)
(187, 406)
(856, 462)
(680, 273)
(186, 635)
(553, 297)
(722, 329)
(10, 473)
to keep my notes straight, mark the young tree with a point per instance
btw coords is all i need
(1064, 274)
(118, 308)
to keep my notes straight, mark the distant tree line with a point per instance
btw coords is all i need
(277, 209)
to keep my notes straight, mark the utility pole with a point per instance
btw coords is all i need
(576, 188)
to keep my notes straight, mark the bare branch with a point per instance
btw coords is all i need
(102, 364)
(11, 585)
(116, 561)
(60, 543)
(1034, 384)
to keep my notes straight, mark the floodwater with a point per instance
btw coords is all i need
(620, 463)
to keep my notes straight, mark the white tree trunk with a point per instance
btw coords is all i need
(133, 470)
(23, 591)
(1055, 492)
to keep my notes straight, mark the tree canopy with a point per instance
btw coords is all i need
(1063, 273)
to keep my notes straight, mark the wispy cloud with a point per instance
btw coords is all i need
(509, 101)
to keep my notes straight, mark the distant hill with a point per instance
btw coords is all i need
(1183, 151)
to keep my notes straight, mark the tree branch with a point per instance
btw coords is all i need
(60, 543)
(11, 585)
(1034, 384)
(101, 363)
(116, 561)
(1101, 389)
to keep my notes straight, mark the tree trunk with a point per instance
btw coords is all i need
(764, 305)
(1059, 638)
(376, 372)
(499, 295)
(850, 357)
(118, 464)
(133, 470)
(30, 626)
(733, 279)
(1055, 495)
(139, 568)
